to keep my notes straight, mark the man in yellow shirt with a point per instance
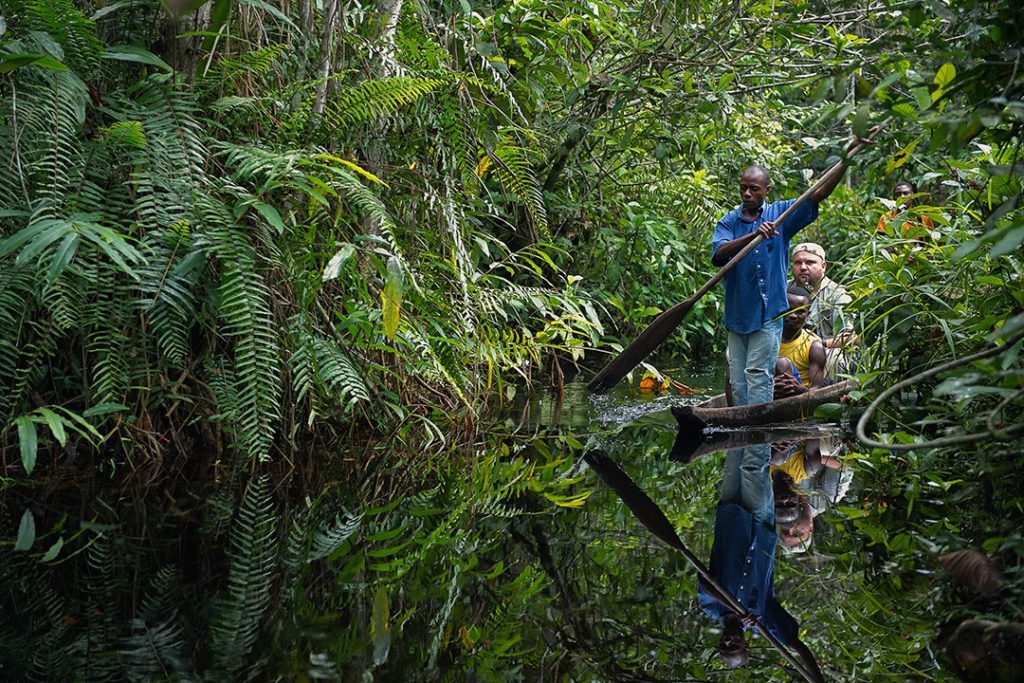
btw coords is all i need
(799, 349)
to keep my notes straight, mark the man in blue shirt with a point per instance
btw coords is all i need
(755, 289)
(743, 559)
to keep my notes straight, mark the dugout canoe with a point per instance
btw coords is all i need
(714, 412)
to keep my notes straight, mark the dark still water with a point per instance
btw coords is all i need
(505, 556)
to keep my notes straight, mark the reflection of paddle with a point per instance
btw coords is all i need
(651, 516)
(666, 323)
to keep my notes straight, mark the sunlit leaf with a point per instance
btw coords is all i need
(338, 261)
(945, 75)
(391, 297)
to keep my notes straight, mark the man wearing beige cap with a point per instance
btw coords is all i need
(828, 298)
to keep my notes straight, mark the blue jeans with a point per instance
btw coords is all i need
(751, 360)
(746, 481)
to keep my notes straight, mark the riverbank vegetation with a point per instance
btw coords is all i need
(288, 262)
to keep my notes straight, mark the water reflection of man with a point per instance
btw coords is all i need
(743, 560)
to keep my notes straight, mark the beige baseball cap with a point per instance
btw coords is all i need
(810, 248)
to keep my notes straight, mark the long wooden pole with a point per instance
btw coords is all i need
(666, 323)
(648, 512)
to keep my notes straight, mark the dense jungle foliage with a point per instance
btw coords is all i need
(272, 273)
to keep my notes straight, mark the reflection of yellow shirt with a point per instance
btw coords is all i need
(798, 352)
(794, 466)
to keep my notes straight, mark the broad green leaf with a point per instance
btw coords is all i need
(62, 257)
(380, 629)
(272, 215)
(391, 297)
(26, 532)
(54, 550)
(945, 75)
(923, 97)
(338, 261)
(220, 13)
(904, 110)
(28, 441)
(1009, 243)
(56, 424)
(862, 121)
(11, 62)
(134, 53)
(104, 409)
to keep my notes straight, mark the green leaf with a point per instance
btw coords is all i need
(1010, 242)
(134, 53)
(11, 62)
(220, 13)
(54, 550)
(862, 120)
(901, 157)
(29, 442)
(26, 532)
(338, 261)
(104, 409)
(945, 75)
(391, 297)
(56, 424)
(62, 257)
(272, 215)
(923, 97)
(904, 110)
(380, 630)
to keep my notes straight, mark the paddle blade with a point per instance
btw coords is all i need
(645, 509)
(648, 340)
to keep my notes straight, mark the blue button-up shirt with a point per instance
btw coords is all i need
(743, 561)
(755, 290)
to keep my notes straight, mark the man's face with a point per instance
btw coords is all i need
(796, 316)
(902, 194)
(733, 649)
(808, 268)
(753, 189)
(797, 533)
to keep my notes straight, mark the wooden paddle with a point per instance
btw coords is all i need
(651, 516)
(666, 323)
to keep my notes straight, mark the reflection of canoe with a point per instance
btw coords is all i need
(694, 442)
(715, 412)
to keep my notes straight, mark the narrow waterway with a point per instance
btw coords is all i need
(509, 560)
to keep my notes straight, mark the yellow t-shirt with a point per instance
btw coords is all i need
(794, 465)
(798, 351)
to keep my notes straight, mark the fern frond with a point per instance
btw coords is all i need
(338, 374)
(235, 623)
(244, 310)
(42, 161)
(368, 100)
(327, 541)
(76, 35)
(514, 166)
(434, 355)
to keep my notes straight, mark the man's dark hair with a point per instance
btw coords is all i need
(907, 183)
(797, 290)
(759, 169)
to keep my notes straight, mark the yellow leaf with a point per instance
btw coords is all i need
(391, 298)
(901, 157)
(485, 163)
(352, 167)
